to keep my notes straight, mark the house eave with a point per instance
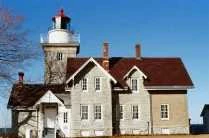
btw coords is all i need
(120, 89)
(22, 108)
(136, 68)
(174, 87)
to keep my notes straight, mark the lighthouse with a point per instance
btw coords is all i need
(59, 44)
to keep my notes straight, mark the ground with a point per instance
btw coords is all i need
(167, 136)
(160, 136)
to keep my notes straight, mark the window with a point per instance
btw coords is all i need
(65, 117)
(134, 86)
(84, 112)
(121, 112)
(164, 110)
(99, 133)
(97, 84)
(136, 131)
(59, 56)
(85, 133)
(84, 84)
(135, 111)
(97, 112)
(165, 131)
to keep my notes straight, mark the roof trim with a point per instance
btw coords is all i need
(51, 93)
(135, 68)
(120, 89)
(97, 64)
(24, 108)
(206, 106)
(168, 87)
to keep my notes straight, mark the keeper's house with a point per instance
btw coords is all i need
(103, 96)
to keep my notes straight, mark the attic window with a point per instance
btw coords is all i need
(134, 84)
(59, 56)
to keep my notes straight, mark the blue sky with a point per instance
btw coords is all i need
(164, 29)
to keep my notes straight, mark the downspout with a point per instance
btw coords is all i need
(37, 110)
(151, 116)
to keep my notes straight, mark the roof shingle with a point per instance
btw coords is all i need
(160, 71)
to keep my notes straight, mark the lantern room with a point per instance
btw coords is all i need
(61, 21)
(60, 32)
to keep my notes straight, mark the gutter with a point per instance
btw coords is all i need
(174, 87)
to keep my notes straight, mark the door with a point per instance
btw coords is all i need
(50, 117)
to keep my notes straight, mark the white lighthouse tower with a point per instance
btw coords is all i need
(59, 44)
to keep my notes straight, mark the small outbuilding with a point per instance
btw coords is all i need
(205, 115)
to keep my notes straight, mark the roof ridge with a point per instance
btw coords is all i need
(166, 57)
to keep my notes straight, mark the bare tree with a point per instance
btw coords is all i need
(55, 71)
(15, 47)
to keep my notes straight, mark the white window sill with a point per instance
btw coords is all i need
(135, 119)
(164, 119)
(98, 120)
(135, 91)
(84, 120)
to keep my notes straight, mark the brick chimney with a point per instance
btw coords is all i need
(105, 58)
(21, 76)
(138, 51)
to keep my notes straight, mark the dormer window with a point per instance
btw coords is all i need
(134, 84)
(59, 56)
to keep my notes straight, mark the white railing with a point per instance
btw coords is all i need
(44, 38)
(73, 38)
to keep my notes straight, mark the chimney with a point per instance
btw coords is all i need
(105, 60)
(21, 76)
(138, 51)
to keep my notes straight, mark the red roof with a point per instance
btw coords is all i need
(25, 95)
(159, 71)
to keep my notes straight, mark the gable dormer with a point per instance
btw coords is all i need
(135, 78)
(90, 63)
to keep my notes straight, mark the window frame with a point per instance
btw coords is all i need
(84, 113)
(133, 116)
(121, 112)
(97, 113)
(95, 84)
(65, 117)
(59, 56)
(82, 84)
(167, 109)
(137, 85)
